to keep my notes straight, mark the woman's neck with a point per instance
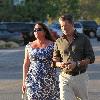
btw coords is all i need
(41, 41)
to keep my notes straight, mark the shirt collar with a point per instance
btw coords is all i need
(75, 35)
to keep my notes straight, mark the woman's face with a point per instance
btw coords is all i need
(39, 32)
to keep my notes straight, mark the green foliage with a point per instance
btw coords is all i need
(70, 6)
(11, 44)
(34, 10)
(90, 9)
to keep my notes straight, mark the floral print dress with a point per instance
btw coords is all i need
(41, 79)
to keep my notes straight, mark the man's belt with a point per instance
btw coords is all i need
(76, 73)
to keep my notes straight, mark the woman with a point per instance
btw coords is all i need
(38, 76)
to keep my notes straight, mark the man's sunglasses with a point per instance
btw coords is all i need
(37, 30)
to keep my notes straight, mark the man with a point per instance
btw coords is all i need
(72, 53)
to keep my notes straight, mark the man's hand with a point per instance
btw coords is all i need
(70, 65)
(61, 64)
(84, 62)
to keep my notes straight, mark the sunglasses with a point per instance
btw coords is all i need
(38, 30)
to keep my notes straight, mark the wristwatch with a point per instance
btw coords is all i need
(78, 63)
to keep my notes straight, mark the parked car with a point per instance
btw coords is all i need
(4, 35)
(78, 26)
(98, 33)
(22, 28)
(89, 27)
(56, 27)
(11, 36)
(16, 37)
(3, 26)
(17, 26)
(54, 35)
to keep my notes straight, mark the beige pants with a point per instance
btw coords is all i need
(73, 87)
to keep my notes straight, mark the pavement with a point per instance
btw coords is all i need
(11, 61)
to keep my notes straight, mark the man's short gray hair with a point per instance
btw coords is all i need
(68, 17)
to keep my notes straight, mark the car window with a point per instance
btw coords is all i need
(3, 27)
(17, 26)
(22, 27)
(76, 25)
(55, 25)
(89, 23)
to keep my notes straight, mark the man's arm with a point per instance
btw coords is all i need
(88, 52)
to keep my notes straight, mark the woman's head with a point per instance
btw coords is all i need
(41, 31)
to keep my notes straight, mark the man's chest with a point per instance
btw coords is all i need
(65, 47)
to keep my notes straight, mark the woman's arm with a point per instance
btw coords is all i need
(25, 65)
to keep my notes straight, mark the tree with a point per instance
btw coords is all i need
(35, 10)
(89, 9)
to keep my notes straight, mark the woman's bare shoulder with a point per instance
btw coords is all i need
(33, 44)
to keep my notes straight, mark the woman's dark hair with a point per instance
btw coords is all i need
(46, 30)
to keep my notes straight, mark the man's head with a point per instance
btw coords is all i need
(67, 24)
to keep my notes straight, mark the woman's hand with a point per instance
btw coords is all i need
(23, 88)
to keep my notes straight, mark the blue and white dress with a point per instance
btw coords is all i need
(41, 79)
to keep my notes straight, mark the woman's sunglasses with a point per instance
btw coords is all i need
(38, 30)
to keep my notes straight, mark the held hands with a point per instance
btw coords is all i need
(70, 65)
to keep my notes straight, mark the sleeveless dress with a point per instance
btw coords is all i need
(41, 79)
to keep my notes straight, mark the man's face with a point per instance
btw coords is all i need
(66, 27)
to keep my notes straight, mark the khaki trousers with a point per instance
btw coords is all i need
(73, 87)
